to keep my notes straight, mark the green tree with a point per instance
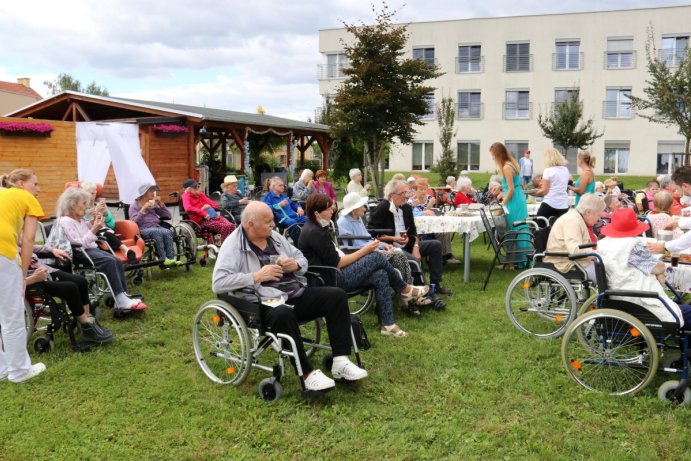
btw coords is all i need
(668, 91)
(383, 96)
(446, 117)
(65, 82)
(565, 127)
(346, 151)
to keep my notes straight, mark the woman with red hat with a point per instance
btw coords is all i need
(630, 265)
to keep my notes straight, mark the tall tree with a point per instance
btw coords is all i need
(564, 126)
(383, 96)
(65, 82)
(346, 151)
(446, 117)
(668, 91)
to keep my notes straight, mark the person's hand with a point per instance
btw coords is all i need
(97, 223)
(429, 213)
(268, 273)
(287, 264)
(39, 275)
(206, 207)
(300, 211)
(311, 183)
(432, 201)
(400, 239)
(283, 203)
(416, 251)
(671, 226)
(370, 247)
(60, 254)
(244, 201)
(159, 200)
(661, 278)
(368, 186)
(388, 247)
(656, 247)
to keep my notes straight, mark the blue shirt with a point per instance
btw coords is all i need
(347, 225)
(273, 200)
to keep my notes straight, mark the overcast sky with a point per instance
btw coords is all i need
(225, 54)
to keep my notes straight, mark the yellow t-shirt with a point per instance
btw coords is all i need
(15, 204)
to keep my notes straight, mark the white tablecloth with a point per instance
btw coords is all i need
(470, 225)
(679, 277)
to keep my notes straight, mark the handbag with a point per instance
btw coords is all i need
(57, 239)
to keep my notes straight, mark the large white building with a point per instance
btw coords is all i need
(503, 72)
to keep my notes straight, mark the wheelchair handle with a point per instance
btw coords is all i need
(632, 293)
(587, 255)
(587, 245)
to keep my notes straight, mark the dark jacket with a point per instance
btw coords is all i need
(316, 245)
(382, 218)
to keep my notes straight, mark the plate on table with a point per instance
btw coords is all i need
(683, 259)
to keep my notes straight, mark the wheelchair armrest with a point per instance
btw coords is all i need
(375, 232)
(75, 245)
(557, 254)
(328, 274)
(44, 254)
(632, 293)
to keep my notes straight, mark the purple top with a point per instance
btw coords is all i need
(148, 218)
(78, 232)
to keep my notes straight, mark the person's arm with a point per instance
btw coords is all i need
(189, 205)
(508, 175)
(676, 245)
(136, 213)
(543, 190)
(162, 211)
(28, 236)
(349, 259)
(585, 180)
(78, 233)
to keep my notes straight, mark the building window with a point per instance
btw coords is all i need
(616, 157)
(423, 155)
(430, 115)
(617, 103)
(518, 58)
(673, 49)
(620, 54)
(469, 58)
(516, 148)
(468, 155)
(567, 55)
(426, 55)
(561, 96)
(670, 156)
(469, 105)
(335, 63)
(517, 105)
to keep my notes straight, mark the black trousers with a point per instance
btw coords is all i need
(547, 211)
(431, 250)
(111, 238)
(71, 288)
(328, 302)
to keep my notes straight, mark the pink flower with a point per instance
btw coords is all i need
(171, 128)
(26, 127)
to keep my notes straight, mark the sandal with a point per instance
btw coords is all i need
(421, 302)
(392, 330)
(140, 306)
(415, 292)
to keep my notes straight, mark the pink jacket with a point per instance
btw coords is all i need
(325, 188)
(193, 206)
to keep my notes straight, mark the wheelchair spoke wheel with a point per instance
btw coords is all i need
(541, 303)
(610, 351)
(221, 343)
(361, 303)
(29, 321)
(186, 244)
(588, 305)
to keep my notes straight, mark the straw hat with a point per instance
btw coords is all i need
(624, 224)
(352, 201)
(230, 179)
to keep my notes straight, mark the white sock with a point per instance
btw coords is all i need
(122, 301)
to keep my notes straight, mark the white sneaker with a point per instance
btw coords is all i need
(318, 381)
(348, 371)
(35, 370)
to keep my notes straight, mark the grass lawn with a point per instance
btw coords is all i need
(463, 385)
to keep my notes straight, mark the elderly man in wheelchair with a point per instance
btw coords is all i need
(616, 346)
(258, 258)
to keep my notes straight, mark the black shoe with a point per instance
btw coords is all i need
(443, 291)
(91, 334)
(131, 257)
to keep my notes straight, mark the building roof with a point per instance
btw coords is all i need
(48, 108)
(18, 88)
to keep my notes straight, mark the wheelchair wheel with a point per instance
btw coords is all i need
(361, 303)
(541, 303)
(667, 392)
(43, 344)
(29, 321)
(186, 241)
(270, 389)
(588, 305)
(221, 343)
(610, 351)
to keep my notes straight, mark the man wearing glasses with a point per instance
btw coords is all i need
(286, 211)
(395, 213)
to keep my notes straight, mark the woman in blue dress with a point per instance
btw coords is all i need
(514, 201)
(586, 183)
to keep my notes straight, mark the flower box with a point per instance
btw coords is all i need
(34, 130)
(170, 130)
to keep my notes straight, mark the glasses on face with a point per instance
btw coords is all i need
(404, 193)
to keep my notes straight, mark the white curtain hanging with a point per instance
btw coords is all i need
(99, 144)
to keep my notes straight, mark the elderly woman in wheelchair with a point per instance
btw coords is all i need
(71, 210)
(543, 300)
(616, 347)
(258, 258)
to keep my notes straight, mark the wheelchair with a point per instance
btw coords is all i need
(230, 334)
(188, 233)
(619, 346)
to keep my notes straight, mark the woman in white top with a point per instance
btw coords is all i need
(555, 181)
(355, 184)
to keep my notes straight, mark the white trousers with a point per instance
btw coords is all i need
(14, 357)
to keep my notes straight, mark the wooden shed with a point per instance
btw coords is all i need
(169, 156)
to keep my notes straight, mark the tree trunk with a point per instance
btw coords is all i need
(687, 149)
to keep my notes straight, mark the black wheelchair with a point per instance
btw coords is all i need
(46, 315)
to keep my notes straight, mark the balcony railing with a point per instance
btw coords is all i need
(516, 111)
(567, 61)
(431, 62)
(620, 59)
(673, 57)
(474, 111)
(521, 63)
(470, 65)
(330, 71)
(617, 110)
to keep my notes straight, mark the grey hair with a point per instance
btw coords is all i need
(69, 199)
(493, 184)
(665, 180)
(449, 180)
(304, 174)
(89, 186)
(275, 180)
(494, 178)
(392, 185)
(590, 202)
(354, 172)
(464, 183)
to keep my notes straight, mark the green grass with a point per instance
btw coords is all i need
(464, 385)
